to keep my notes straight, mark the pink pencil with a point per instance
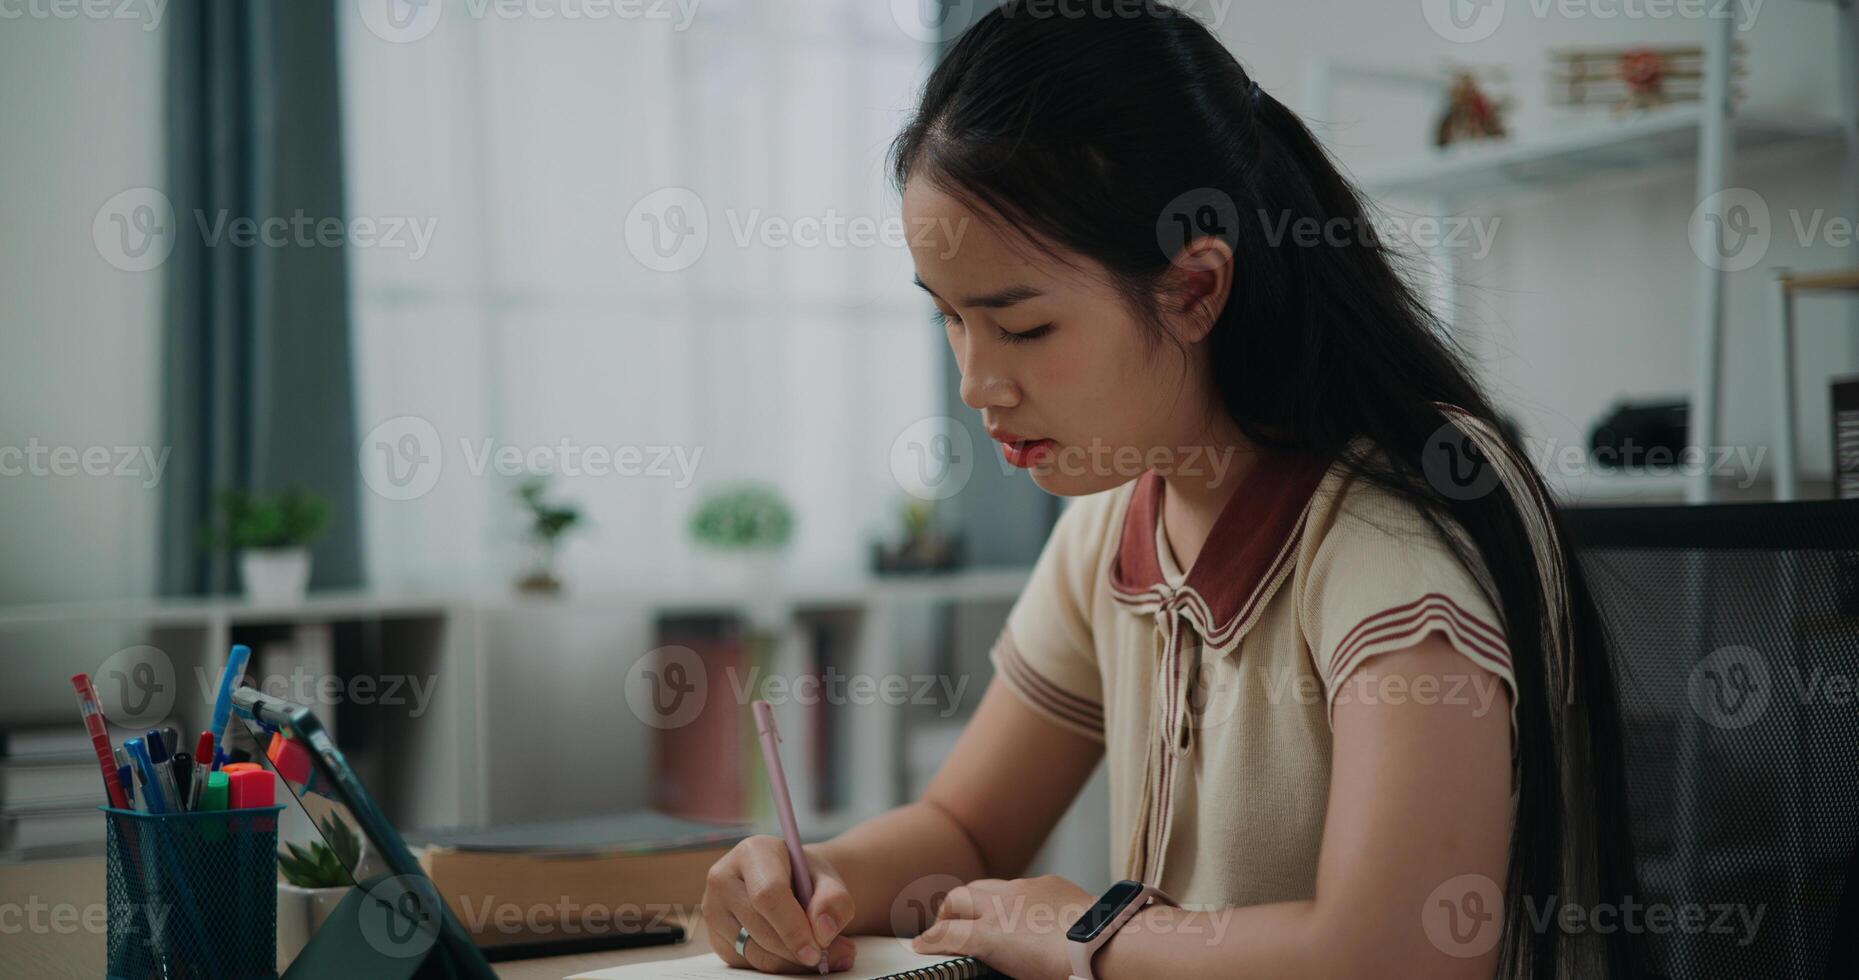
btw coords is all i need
(784, 808)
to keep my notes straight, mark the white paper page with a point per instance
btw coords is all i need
(878, 956)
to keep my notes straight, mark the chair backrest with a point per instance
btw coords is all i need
(1735, 634)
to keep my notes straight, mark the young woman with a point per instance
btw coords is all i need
(1310, 603)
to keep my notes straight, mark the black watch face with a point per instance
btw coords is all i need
(1093, 922)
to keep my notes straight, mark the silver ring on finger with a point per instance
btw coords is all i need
(742, 942)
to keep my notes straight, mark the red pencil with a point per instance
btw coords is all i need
(99, 739)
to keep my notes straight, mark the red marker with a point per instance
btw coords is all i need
(99, 739)
(203, 764)
(251, 788)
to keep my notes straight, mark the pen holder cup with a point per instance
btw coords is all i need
(192, 894)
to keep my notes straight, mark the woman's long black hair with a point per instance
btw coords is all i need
(1092, 133)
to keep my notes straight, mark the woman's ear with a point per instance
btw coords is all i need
(1196, 286)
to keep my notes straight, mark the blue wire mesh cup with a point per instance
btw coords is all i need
(193, 895)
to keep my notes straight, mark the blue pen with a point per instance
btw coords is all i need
(124, 776)
(151, 779)
(222, 705)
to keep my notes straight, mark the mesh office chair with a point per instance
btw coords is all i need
(1736, 638)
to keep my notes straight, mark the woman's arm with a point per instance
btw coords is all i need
(1010, 778)
(1414, 850)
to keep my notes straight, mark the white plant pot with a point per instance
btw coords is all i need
(743, 569)
(301, 912)
(275, 575)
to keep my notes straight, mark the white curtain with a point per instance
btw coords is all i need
(520, 139)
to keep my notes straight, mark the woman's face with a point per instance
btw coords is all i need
(1067, 378)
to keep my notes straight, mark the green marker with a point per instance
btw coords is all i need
(213, 797)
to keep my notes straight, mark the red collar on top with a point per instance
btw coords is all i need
(1251, 543)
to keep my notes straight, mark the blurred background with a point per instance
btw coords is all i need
(510, 352)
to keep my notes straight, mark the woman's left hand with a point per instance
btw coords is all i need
(1016, 927)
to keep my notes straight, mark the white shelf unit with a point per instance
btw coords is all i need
(1708, 134)
(517, 718)
(1668, 138)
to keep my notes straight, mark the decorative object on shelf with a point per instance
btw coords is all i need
(315, 880)
(1470, 113)
(547, 523)
(1845, 438)
(923, 548)
(745, 529)
(1628, 435)
(1632, 79)
(271, 536)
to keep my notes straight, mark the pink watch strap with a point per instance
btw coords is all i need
(1083, 953)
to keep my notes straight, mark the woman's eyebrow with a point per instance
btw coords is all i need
(999, 299)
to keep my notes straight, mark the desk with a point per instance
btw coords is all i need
(51, 925)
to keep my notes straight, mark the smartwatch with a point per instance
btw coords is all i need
(1101, 921)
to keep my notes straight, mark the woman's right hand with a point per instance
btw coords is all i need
(752, 886)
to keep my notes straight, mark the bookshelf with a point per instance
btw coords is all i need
(1702, 139)
(511, 706)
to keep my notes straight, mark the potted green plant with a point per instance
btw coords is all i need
(743, 529)
(271, 535)
(316, 877)
(547, 523)
(924, 548)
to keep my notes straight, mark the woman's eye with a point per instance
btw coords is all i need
(944, 319)
(1009, 337)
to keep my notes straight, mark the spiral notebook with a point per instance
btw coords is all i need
(879, 958)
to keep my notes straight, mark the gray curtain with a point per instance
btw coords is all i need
(258, 392)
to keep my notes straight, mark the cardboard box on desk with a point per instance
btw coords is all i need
(510, 894)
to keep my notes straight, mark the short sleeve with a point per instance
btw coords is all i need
(1046, 654)
(1381, 578)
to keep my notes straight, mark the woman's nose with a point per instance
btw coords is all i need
(983, 385)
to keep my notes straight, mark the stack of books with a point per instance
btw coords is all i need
(49, 792)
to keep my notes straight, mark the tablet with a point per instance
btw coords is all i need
(393, 925)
